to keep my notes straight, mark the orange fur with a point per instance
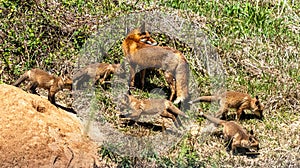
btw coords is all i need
(168, 59)
(239, 101)
(96, 71)
(163, 107)
(235, 132)
(42, 79)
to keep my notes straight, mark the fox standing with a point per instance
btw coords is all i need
(40, 79)
(138, 53)
(96, 71)
(237, 100)
(151, 107)
(235, 132)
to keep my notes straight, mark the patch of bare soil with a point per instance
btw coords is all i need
(35, 133)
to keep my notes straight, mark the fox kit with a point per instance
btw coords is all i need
(235, 133)
(168, 59)
(96, 71)
(239, 101)
(151, 107)
(41, 79)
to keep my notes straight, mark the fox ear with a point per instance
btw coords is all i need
(143, 27)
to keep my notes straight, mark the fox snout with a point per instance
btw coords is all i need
(151, 43)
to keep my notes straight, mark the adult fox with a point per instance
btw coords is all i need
(173, 62)
(40, 79)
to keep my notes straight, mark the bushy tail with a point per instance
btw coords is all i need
(21, 79)
(212, 119)
(204, 99)
(182, 82)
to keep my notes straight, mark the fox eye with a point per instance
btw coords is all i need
(143, 33)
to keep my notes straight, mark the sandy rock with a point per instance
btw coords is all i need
(34, 133)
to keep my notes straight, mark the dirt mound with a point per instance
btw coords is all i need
(34, 133)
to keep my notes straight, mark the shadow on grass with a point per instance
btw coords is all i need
(70, 110)
(244, 116)
(149, 126)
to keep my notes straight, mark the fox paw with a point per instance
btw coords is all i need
(178, 100)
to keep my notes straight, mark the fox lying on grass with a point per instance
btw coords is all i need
(235, 133)
(163, 107)
(237, 100)
(97, 72)
(138, 53)
(38, 78)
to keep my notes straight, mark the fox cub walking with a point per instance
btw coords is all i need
(163, 107)
(235, 133)
(173, 62)
(96, 71)
(239, 101)
(40, 79)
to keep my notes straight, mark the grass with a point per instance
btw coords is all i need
(258, 42)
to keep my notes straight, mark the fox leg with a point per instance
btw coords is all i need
(51, 95)
(134, 115)
(104, 77)
(132, 75)
(96, 78)
(167, 114)
(80, 83)
(222, 111)
(240, 111)
(234, 146)
(77, 82)
(31, 87)
(172, 84)
(143, 74)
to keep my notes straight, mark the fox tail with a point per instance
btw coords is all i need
(204, 99)
(175, 110)
(212, 119)
(24, 77)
